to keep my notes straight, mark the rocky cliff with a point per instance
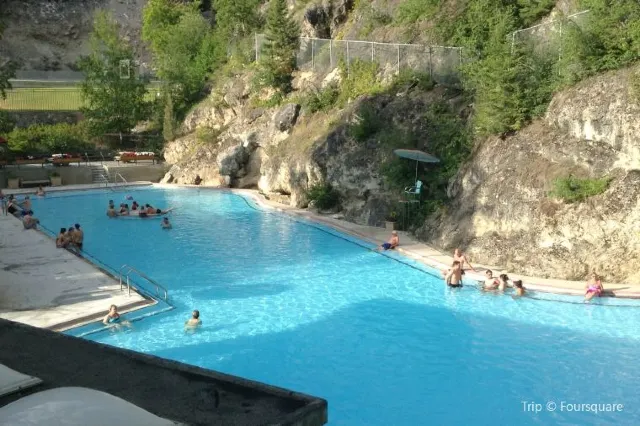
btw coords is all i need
(50, 35)
(500, 206)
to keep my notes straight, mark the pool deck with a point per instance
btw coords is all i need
(434, 258)
(47, 287)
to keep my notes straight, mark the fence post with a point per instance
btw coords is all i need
(513, 41)
(398, 63)
(313, 54)
(430, 65)
(331, 53)
(373, 52)
(348, 60)
(257, 52)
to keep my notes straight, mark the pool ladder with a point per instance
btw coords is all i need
(127, 270)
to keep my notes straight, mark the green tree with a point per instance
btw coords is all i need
(168, 121)
(283, 42)
(183, 48)
(236, 19)
(113, 94)
(7, 123)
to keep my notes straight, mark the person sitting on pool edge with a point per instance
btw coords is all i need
(28, 221)
(594, 287)
(78, 236)
(454, 275)
(197, 180)
(62, 241)
(393, 242)
(165, 224)
(194, 321)
(113, 318)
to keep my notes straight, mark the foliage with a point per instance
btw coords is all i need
(447, 139)
(358, 78)
(237, 19)
(572, 189)
(113, 104)
(207, 135)
(391, 217)
(367, 124)
(407, 77)
(372, 18)
(324, 195)
(271, 102)
(321, 100)
(283, 41)
(411, 11)
(184, 48)
(42, 138)
(609, 39)
(7, 123)
(531, 11)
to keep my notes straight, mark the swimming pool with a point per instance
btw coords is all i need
(304, 307)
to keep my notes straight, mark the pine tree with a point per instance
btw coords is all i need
(167, 125)
(283, 42)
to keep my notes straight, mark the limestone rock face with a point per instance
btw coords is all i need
(286, 117)
(501, 211)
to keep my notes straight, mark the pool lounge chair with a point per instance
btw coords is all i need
(12, 381)
(414, 190)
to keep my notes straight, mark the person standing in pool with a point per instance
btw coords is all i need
(194, 321)
(114, 319)
(453, 278)
(462, 258)
(165, 223)
(520, 290)
(40, 192)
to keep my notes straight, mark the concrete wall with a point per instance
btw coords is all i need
(69, 175)
(152, 173)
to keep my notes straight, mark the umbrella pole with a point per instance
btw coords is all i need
(416, 179)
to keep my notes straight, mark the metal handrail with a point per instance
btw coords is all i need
(115, 178)
(129, 270)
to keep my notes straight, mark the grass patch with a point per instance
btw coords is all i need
(207, 135)
(412, 11)
(50, 99)
(358, 78)
(321, 100)
(572, 189)
(367, 123)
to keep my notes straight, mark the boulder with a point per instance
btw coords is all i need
(317, 22)
(286, 117)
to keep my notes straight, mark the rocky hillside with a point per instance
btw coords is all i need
(500, 206)
(50, 35)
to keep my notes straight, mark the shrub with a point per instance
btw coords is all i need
(407, 77)
(61, 137)
(207, 134)
(412, 11)
(572, 189)
(324, 196)
(358, 78)
(7, 123)
(367, 124)
(321, 100)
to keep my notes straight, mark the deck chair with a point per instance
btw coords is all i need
(414, 190)
(13, 381)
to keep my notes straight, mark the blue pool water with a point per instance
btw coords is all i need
(302, 307)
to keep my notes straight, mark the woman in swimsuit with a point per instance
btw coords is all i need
(114, 319)
(594, 287)
(40, 192)
(520, 290)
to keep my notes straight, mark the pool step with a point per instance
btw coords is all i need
(99, 175)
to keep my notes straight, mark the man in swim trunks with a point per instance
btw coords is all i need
(454, 276)
(462, 258)
(62, 241)
(29, 221)
(393, 242)
(594, 287)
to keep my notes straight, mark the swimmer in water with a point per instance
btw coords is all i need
(165, 223)
(454, 275)
(194, 321)
(520, 290)
(114, 319)
(40, 192)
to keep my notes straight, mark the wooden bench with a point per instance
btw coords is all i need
(34, 183)
(40, 161)
(136, 158)
(66, 161)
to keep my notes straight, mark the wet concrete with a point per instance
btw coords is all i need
(168, 389)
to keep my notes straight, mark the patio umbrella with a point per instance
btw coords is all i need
(418, 156)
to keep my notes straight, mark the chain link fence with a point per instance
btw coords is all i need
(547, 38)
(322, 56)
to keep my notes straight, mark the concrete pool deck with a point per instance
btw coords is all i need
(423, 253)
(47, 287)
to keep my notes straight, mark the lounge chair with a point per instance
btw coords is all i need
(414, 190)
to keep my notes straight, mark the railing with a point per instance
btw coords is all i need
(126, 270)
